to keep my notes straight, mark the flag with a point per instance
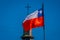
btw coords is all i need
(33, 20)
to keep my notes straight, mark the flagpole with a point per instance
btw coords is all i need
(44, 32)
(44, 24)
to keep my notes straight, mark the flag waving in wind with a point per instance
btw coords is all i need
(33, 20)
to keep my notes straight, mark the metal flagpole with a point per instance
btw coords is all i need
(44, 32)
(44, 24)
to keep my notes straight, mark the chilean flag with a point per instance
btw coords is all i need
(33, 20)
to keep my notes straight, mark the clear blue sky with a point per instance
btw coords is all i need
(13, 12)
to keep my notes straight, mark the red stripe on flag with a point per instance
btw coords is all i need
(33, 23)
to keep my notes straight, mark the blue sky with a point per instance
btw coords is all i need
(13, 12)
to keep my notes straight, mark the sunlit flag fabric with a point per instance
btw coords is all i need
(33, 20)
